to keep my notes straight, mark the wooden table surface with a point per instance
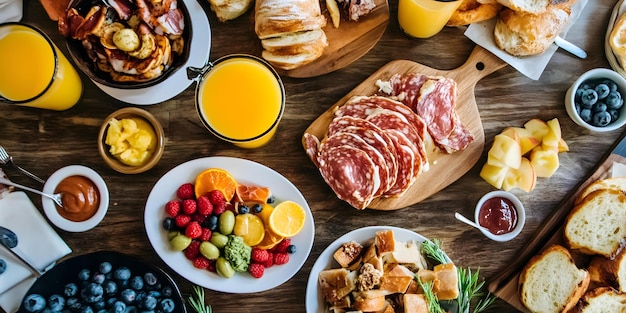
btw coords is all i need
(43, 141)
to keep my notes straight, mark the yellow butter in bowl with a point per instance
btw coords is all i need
(132, 141)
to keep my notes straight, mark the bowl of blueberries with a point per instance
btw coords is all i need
(103, 281)
(595, 100)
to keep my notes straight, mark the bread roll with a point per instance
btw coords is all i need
(226, 10)
(528, 6)
(472, 11)
(551, 282)
(524, 34)
(275, 18)
(609, 272)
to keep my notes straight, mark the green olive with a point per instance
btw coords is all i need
(224, 268)
(209, 250)
(226, 222)
(219, 240)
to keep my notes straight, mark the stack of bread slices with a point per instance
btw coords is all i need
(290, 31)
(553, 281)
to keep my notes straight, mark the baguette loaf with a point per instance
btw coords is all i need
(597, 225)
(603, 299)
(609, 272)
(551, 282)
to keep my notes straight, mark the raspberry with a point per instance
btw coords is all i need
(182, 220)
(193, 250)
(206, 234)
(259, 255)
(189, 206)
(204, 206)
(216, 197)
(281, 258)
(193, 230)
(281, 247)
(270, 260)
(185, 191)
(198, 217)
(201, 262)
(256, 270)
(172, 208)
(220, 208)
(211, 267)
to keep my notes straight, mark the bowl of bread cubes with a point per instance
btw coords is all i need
(595, 100)
(127, 47)
(131, 140)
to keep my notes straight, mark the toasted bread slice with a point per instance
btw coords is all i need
(336, 283)
(446, 285)
(609, 272)
(603, 299)
(617, 183)
(289, 62)
(296, 39)
(385, 242)
(551, 282)
(348, 253)
(414, 303)
(598, 224)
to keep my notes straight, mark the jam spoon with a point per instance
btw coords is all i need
(55, 197)
(468, 221)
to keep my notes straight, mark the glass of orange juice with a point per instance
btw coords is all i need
(425, 18)
(240, 98)
(35, 72)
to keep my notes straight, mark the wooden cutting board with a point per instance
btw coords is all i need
(347, 43)
(550, 232)
(444, 168)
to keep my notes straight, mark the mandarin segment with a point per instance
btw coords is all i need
(287, 219)
(257, 194)
(215, 179)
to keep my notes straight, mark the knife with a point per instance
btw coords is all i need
(570, 47)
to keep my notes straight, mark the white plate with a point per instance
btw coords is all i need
(178, 81)
(314, 298)
(246, 172)
(618, 10)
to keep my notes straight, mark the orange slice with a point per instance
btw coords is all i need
(270, 240)
(287, 219)
(249, 227)
(215, 179)
(252, 194)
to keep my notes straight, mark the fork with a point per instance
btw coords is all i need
(6, 159)
(55, 197)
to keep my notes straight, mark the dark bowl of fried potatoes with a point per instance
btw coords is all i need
(127, 44)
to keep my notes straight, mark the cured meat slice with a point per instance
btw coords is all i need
(354, 140)
(311, 147)
(406, 161)
(350, 173)
(459, 139)
(406, 88)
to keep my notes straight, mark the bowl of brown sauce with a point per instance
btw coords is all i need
(85, 198)
(501, 215)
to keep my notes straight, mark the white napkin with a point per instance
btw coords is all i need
(38, 243)
(531, 66)
(10, 10)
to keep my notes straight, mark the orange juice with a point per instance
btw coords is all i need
(241, 100)
(425, 18)
(35, 72)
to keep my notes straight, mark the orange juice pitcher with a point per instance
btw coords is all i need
(425, 18)
(34, 72)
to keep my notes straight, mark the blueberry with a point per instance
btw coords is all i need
(169, 223)
(589, 97)
(612, 85)
(614, 115)
(614, 100)
(73, 304)
(128, 296)
(212, 222)
(150, 279)
(3, 266)
(105, 267)
(98, 278)
(56, 303)
(602, 90)
(131, 309)
(257, 208)
(136, 282)
(110, 287)
(599, 107)
(94, 289)
(122, 273)
(602, 119)
(271, 199)
(579, 93)
(291, 249)
(86, 309)
(70, 290)
(585, 115)
(84, 274)
(244, 209)
(118, 307)
(34, 302)
(149, 303)
(167, 291)
(154, 293)
(99, 305)
(167, 305)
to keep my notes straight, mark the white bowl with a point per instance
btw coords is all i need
(50, 208)
(519, 208)
(596, 74)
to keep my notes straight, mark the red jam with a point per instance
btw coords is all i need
(498, 215)
(80, 198)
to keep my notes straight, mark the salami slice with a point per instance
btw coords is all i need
(406, 161)
(311, 147)
(350, 173)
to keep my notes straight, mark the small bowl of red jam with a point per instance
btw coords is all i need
(85, 198)
(501, 215)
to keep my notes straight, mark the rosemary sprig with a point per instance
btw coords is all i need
(431, 298)
(432, 249)
(198, 303)
(470, 288)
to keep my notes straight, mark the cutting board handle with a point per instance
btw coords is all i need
(479, 64)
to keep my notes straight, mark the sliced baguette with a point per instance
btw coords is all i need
(609, 272)
(603, 299)
(289, 62)
(305, 43)
(551, 282)
(528, 6)
(597, 225)
(617, 183)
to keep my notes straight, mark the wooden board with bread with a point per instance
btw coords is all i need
(444, 168)
(588, 225)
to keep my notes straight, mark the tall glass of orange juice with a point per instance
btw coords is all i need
(240, 98)
(425, 18)
(34, 72)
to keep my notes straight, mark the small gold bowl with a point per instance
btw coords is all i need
(115, 163)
